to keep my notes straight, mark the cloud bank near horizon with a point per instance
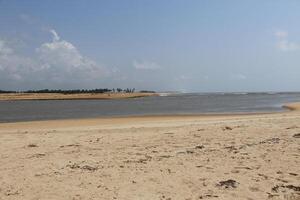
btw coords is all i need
(55, 64)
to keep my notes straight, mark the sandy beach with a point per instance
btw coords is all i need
(146, 158)
(59, 96)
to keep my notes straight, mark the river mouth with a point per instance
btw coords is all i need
(176, 104)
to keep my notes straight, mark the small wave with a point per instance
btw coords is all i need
(164, 94)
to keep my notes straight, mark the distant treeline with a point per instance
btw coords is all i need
(78, 91)
(147, 91)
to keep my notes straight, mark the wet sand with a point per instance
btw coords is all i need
(167, 157)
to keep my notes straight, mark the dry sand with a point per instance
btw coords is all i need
(58, 96)
(179, 157)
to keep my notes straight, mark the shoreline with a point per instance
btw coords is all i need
(295, 106)
(82, 96)
(290, 108)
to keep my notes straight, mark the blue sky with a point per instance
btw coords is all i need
(192, 45)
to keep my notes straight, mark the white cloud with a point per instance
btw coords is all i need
(55, 64)
(283, 43)
(60, 53)
(64, 62)
(55, 35)
(146, 65)
(12, 66)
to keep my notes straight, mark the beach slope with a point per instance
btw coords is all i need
(171, 157)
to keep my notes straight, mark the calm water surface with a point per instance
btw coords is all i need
(12, 111)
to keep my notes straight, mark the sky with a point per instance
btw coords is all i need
(175, 45)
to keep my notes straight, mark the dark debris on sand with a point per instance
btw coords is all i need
(296, 135)
(84, 167)
(291, 187)
(228, 184)
(227, 128)
(32, 145)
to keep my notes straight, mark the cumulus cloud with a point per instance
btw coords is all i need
(54, 64)
(146, 65)
(12, 66)
(283, 43)
(64, 62)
